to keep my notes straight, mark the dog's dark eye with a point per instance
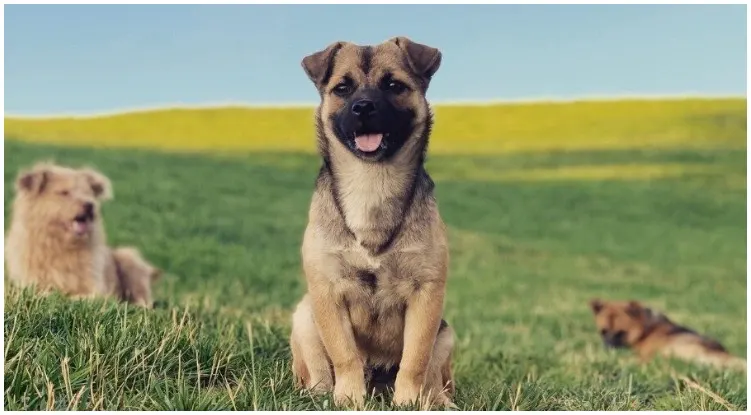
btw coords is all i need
(63, 193)
(343, 89)
(396, 86)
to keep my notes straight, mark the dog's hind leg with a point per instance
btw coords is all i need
(135, 276)
(310, 364)
(439, 382)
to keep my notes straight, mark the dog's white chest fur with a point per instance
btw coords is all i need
(364, 192)
(34, 259)
(362, 189)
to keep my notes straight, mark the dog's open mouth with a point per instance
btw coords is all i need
(369, 143)
(82, 223)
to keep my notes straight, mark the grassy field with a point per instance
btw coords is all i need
(549, 206)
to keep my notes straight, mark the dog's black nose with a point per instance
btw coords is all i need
(363, 108)
(88, 208)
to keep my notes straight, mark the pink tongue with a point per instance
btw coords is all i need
(368, 142)
(79, 227)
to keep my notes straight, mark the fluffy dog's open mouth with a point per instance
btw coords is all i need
(369, 143)
(82, 223)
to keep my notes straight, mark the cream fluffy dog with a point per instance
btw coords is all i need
(57, 241)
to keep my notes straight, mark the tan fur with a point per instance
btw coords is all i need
(41, 249)
(345, 325)
(133, 277)
(651, 334)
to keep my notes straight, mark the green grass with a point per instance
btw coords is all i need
(527, 253)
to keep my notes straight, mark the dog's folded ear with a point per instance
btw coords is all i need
(636, 310)
(423, 59)
(99, 183)
(596, 305)
(652, 316)
(318, 65)
(33, 180)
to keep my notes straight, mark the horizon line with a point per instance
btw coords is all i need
(311, 105)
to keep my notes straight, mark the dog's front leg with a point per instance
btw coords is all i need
(421, 322)
(335, 328)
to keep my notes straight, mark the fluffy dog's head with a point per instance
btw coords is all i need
(622, 323)
(373, 97)
(61, 201)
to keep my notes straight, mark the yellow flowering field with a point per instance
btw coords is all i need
(459, 129)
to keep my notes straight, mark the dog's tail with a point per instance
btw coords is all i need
(129, 257)
(734, 362)
(722, 360)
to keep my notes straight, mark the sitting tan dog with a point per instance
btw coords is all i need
(628, 324)
(375, 252)
(56, 239)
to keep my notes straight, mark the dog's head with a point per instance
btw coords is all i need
(622, 323)
(373, 97)
(61, 201)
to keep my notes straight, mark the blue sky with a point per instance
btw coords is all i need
(95, 58)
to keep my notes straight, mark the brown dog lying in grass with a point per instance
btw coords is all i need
(57, 241)
(628, 324)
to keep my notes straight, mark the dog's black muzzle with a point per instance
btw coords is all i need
(614, 339)
(367, 112)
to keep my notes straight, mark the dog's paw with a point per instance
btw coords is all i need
(349, 394)
(444, 401)
(405, 392)
(410, 393)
